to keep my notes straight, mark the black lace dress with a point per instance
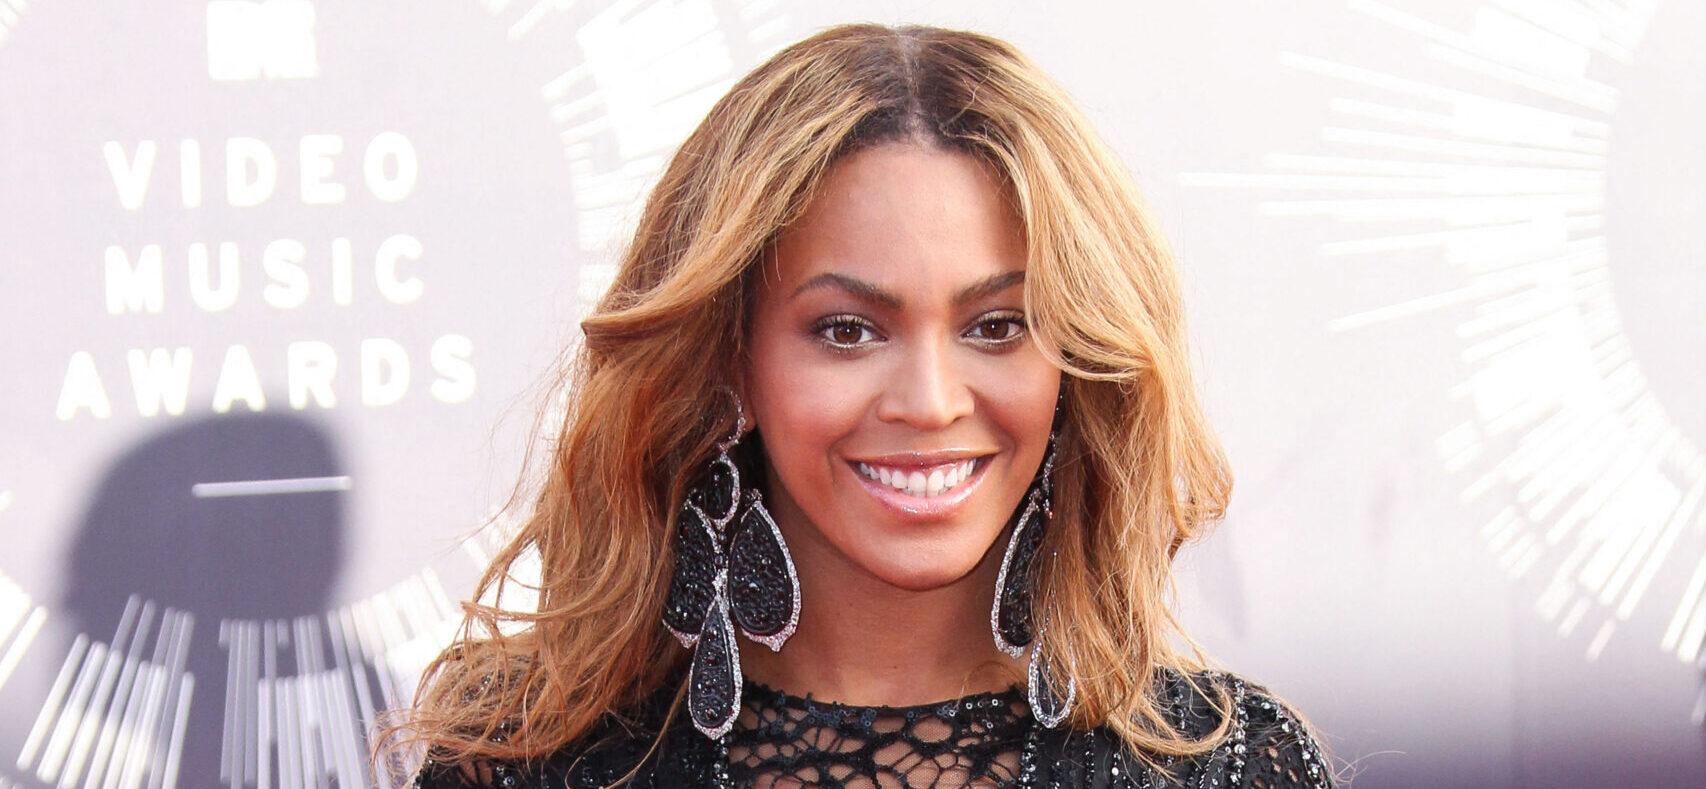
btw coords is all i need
(983, 740)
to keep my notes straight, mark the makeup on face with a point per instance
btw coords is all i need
(903, 405)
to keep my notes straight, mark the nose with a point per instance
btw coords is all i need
(926, 390)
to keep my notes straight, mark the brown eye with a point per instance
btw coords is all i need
(846, 333)
(996, 330)
(1000, 329)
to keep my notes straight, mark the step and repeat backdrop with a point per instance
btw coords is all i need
(283, 283)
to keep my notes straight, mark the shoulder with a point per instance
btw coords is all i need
(439, 771)
(591, 761)
(1269, 745)
(617, 748)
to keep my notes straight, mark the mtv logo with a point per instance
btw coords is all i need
(261, 39)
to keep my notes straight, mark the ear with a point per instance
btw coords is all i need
(748, 405)
(741, 389)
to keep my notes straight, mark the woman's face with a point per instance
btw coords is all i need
(904, 407)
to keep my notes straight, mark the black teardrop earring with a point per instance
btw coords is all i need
(732, 567)
(701, 525)
(1010, 613)
(1049, 704)
(764, 590)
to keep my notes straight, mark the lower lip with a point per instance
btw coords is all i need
(922, 508)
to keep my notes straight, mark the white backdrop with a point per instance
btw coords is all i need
(279, 280)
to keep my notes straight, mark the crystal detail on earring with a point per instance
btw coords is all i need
(717, 494)
(1047, 477)
(698, 559)
(1047, 704)
(1010, 614)
(700, 536)
(714, 680)
(764, 590)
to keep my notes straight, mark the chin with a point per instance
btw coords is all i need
(923, 570)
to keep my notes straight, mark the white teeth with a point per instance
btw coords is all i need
(917, 483)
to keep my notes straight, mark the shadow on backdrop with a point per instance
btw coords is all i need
(270, 557)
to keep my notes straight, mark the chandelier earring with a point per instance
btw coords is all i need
(732, 568)
(1011, 613)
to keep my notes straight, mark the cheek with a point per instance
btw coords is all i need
(1024, 409)
(1019, 394)
(1040, 398)
(805, 405)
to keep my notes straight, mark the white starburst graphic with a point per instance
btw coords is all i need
(1600, 491)
(620, 83)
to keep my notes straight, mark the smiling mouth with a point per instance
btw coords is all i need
(927, 482)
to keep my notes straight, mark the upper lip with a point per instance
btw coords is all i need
(920, 459)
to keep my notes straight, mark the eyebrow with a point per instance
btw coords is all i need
(990, 285)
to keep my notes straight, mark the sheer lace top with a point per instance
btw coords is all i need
(982, 740)
(787, 741)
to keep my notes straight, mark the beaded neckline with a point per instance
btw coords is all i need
(780, 698)
(803, 741)
(987, 737)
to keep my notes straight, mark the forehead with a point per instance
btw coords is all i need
(905, 215)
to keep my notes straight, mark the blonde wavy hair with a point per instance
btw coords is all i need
(1139, 471)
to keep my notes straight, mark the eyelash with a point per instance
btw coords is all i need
(835, 321)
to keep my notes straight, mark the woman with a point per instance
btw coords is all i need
(892, 383)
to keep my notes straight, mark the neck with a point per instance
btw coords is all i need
(864, 641)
